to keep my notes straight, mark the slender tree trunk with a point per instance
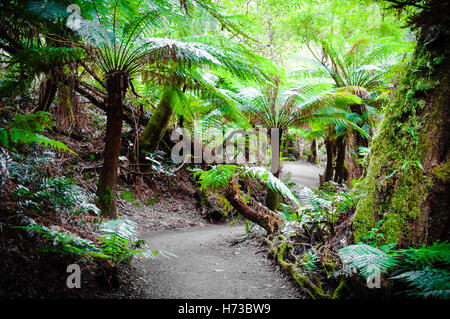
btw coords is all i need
(352, 142)
(330, 147)
(273, 198)
(158, 123)
(407, 182)
(63, 114)
(117, 84)
(339, 172)
(313, 157)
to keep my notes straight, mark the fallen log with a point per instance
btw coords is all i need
(260, 215)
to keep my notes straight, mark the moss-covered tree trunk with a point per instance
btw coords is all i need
(408, 178)
(158, 123)
(117, 84)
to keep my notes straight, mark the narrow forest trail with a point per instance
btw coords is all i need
(302, 173)
(209, 265)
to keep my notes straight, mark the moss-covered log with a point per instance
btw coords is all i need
(282, 246)
(408, 177)
(262, 216)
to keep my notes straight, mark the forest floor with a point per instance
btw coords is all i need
(213, 261)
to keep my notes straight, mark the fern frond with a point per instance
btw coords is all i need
(24, 130)
(124, 228)
(368, 260)
(272, 182)
(62, 241)
(438, 252)
(428, 282)
(10, 138)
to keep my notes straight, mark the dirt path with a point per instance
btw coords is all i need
(208, 265)
(302, 173)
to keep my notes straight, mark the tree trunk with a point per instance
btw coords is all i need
(339, 172)
(352, 141)
(408, 178)
(49, 86)
(158, 123)
(313, 157)
(117, 84)
(330, 147)
(63, 114)
(273, 199)
(264, 217)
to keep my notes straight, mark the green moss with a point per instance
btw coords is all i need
(272, 199)
(393, 191)
(159, 122)
(282, 246)
(151, 201)
(106, 201)
(128, 196)
(442, 172)
(393, 228)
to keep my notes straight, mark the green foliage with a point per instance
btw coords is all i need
(128, 196)
(310, 261)
(37, 192)
(25, 128)
(297, 103)
(368, 260)
(428, 282)
(66, 243)
(436, 254)
(425, 269)
(159, 163)
(59, 194)
(272, 182)
(374, 237)
(117, 244)
(219, 177)
(325, 205)
(41, 59)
